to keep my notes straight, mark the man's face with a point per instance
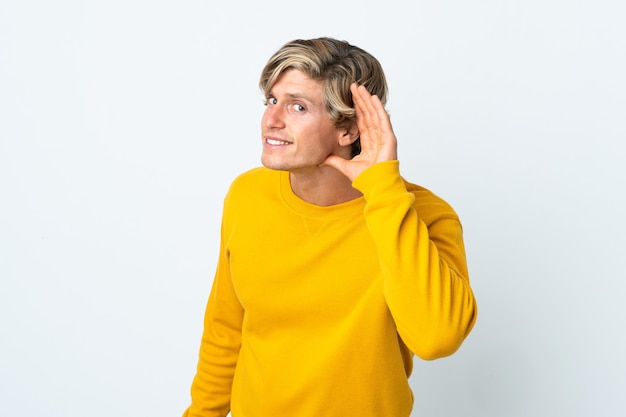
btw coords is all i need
(297, 132)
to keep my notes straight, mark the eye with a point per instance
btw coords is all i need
(299, 107)
(270, 100)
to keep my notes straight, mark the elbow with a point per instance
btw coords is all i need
(436, 349)
(441, 341)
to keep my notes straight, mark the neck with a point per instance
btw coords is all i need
(325, 186)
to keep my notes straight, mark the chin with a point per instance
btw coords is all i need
(275, 165)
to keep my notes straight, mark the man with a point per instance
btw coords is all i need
(333, 270)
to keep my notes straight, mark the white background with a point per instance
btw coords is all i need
(122, 123)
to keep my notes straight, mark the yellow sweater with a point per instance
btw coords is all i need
(317, 311)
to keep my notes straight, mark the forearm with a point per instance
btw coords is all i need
(211, 387)
(219, 349)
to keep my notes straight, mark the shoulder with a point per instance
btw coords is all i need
(252, 177)
(430, 206)
(254, 182)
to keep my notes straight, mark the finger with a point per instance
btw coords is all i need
(373, 111)
(358, 104)
(361, 98)
(372, 122)
(336, 162)
(384, 122)
(374, 108)
(366, 114)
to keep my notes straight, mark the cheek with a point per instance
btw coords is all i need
(264, 117)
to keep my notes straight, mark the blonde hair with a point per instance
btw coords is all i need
(337, 64)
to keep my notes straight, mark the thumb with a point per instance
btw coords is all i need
(336, 162)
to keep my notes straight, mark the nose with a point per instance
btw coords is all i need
(273, 117)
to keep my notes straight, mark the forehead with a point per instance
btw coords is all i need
(296, 83)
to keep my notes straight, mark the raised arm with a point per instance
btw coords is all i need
(422, 258)
(419, 239)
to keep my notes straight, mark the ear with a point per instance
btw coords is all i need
(349, 135)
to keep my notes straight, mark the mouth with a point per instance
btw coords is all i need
(276, 142)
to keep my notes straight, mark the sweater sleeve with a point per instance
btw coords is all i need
(219, 349)
(425, 279)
